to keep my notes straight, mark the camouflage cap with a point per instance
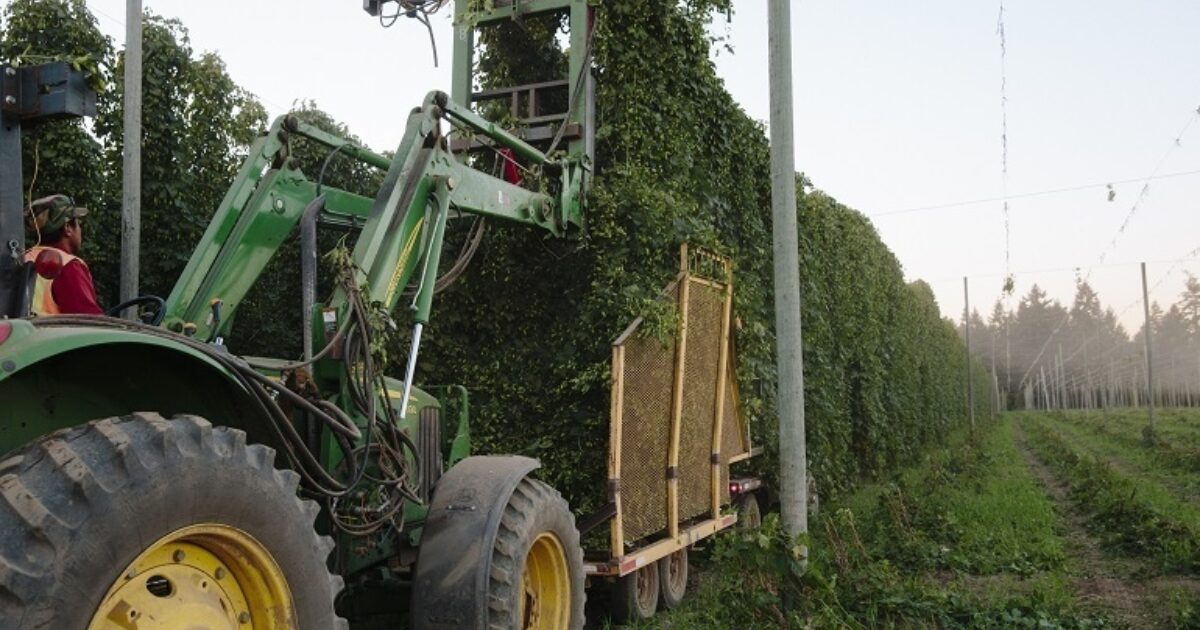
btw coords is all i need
(50, 214)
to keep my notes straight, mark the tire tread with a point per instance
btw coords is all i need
(50, 488)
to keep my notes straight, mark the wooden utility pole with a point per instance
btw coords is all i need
(792, 447)
(131, 182)
(1149, 349)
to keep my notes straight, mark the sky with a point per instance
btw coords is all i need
(897, 113)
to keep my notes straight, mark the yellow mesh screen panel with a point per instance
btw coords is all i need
(734, 440)
(646, 378)
(705, 308)
(645, 434)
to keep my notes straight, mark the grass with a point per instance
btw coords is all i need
(1133, 515)
(966, 539)
(1177, 433)
(970, 538)
(1147, 462)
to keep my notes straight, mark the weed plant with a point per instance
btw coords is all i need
(1118, 506)
(925, 553)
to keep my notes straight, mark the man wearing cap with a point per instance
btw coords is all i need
(64, 282)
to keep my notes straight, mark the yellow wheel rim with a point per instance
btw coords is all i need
(545, 602)
(201, 577)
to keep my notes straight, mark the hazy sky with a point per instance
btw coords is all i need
(897, 107)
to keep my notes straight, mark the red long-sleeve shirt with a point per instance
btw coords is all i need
(74, 291)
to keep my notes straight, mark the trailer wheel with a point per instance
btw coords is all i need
(167, 522)
(635, 596)
(673, 577)
(536, 582)
(748, 512)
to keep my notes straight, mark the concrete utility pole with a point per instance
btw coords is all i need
(1109, 388)
(786, 249)
(1087, 370)
(1149, 350)
(1173, 379)
(131, 185)
(1045, 391)
(967, 329)
(995, 382)
(1062, 382)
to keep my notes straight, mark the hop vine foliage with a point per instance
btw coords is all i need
(528, 328)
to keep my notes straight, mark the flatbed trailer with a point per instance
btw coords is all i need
(675, 429)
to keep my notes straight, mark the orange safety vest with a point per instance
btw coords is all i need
(43, 297)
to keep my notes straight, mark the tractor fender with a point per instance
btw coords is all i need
(450, 589)
(52, 378)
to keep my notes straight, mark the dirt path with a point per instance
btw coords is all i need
(1125, 588)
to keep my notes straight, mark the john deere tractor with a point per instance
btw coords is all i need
(210, 490)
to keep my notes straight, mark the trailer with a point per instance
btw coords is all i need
(676, 428)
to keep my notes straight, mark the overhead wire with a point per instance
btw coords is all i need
(1038, 193)
(1004, 134)
(1008, 283)
(1176, 142)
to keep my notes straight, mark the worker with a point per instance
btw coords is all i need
(64, 282)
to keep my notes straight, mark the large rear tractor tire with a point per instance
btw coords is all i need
(141, 522)
(536, 582)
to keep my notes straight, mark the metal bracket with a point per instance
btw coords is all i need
(28, 96)
(47, 92)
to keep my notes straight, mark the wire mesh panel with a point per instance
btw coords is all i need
(645, 420)
(705, 311)
(662, 435)
(735, 439)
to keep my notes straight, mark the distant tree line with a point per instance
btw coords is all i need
(1080, 355)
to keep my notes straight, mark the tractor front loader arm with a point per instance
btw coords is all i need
(399, 228)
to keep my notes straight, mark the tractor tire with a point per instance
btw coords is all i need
(537, 579)
(165, 521)
(748, 512)
(635, 596)
(673, 579)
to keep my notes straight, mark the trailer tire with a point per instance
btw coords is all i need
(103, 518)
(673, 579)
(748, 512)
(537, 577)
(635, 595)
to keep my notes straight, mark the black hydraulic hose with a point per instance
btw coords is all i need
(355, 336)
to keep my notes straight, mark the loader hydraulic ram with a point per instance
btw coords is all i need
(140, 487)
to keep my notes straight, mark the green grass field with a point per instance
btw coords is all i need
(1042, 520)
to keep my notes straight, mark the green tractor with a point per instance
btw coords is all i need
(210, 490)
